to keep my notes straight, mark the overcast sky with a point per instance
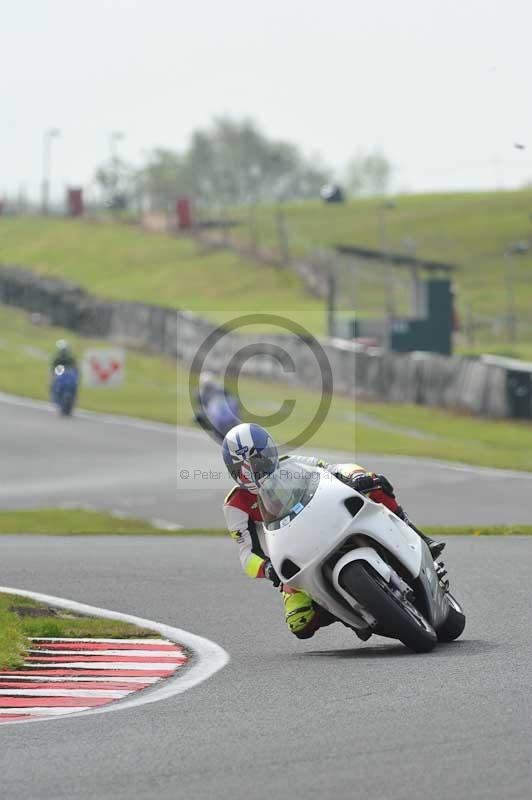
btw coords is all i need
(441, 86)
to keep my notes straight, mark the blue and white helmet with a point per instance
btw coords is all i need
(250, 455)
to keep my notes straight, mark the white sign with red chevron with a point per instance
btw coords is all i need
(103, 367)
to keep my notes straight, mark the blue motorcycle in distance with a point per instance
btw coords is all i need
(64, 389)
(219, 414)
(223, 413)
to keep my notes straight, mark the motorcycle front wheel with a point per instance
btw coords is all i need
(393, 613)
(454, 625)
(66, 404)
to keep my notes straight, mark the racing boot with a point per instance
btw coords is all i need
(436, 548)
(300, 614)
(303, 616)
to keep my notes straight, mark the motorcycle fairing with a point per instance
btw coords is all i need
(331, 524)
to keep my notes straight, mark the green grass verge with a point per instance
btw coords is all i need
(21, 617)
(77, 522)
(12, 639)
(431, 530)
(71, 522)
(61, 522)
(440, 531)
(124, 263)
(156, 388)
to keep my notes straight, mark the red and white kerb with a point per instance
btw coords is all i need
(64, 676)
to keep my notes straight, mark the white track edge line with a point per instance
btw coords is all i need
(207, 657)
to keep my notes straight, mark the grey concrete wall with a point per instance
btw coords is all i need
(458, 383)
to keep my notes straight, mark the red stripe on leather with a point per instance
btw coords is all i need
(245, 501)
(11, 717)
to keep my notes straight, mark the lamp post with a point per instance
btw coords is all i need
(519, 248)
(114, 170)
(114, 137)
(49, 135)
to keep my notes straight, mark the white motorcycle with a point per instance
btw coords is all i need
(355, 558)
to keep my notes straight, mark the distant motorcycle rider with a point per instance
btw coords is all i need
(209, 385)
(216, 409)
(250, 455)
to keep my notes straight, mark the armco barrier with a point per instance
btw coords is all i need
(478, 386)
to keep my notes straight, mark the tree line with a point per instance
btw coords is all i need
(233, 163)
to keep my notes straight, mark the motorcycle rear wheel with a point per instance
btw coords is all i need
(392, 613)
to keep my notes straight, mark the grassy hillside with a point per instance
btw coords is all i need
(121, 262)
(471, 230)
(157, 388)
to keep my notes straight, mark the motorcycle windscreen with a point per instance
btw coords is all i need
(286, 492)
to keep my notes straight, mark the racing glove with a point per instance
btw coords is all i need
(367, 482)
(271, 574)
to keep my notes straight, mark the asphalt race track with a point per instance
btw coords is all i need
(135, 467)
(331, 717)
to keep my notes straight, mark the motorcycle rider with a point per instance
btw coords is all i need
(63, 357)
(250, 455)
(216, 409)
(208, 386)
